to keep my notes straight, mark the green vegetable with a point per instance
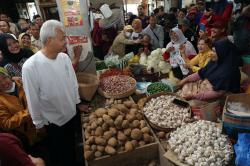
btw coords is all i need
(101, 65)
(158, 87)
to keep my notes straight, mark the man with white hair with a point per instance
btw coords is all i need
(51, 89)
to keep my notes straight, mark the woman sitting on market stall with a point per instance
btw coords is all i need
(178, 40)
(202, 58)
(123, 39)
(25, 42)
(137, 34)
(13, 56)
(14, 115)
(219, 76)
(146, 44)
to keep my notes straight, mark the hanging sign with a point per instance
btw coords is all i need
(71, 13)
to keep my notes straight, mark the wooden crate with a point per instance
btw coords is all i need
(136, 157)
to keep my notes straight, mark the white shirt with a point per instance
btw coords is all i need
(36, 43)
(136, 35)
(51, 89)
(157, 36)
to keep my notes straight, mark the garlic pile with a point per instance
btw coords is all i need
(162, 112)
(201, 144)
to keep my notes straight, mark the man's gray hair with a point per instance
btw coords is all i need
(48, 29)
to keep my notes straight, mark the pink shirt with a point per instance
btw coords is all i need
(203, 95)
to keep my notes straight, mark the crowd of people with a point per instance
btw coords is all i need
(38, 88)
(193, 37)
(31, 55)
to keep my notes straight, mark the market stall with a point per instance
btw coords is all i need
(137, 117)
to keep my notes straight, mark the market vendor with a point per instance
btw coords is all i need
(178, 40)
(219, 76)
(202, 58)
(146, 44)
(123, 39)
(14, 116)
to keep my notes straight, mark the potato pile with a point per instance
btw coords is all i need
(119, 128)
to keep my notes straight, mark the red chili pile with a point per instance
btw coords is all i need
(114, 72)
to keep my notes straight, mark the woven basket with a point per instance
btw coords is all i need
(155, 126)
(121, 95)
(88, 84)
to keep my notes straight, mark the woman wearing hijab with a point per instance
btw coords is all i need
(13, 56)
(14, 115)
(219, 76)
(25, 42)
(178, 41)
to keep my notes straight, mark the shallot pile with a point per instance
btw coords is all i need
(116, 85)
(164, 113)
(201, 144)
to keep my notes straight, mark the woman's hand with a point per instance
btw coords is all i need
(183, 49)
(19, 79)
(187, 66)
(37, 161)
(188, 97)
(170, 49)
(181, 83)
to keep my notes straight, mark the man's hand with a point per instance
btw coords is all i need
(37, 161)
(83, 108)
(41, 132)
(77, 50)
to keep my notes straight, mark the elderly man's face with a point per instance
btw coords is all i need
(5, 83)
(59, 41)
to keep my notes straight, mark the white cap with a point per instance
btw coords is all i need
(106, 11)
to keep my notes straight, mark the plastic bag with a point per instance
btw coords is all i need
(242, 149)
(111, 60)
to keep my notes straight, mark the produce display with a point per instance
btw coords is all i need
(238, 108)
(119, 128)
(114, 72)
(155, 61)
(100, 65)
(162, 112)
(116, 85)
(191, 89)
(161, 135)
(158, 87)
(201, 144)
